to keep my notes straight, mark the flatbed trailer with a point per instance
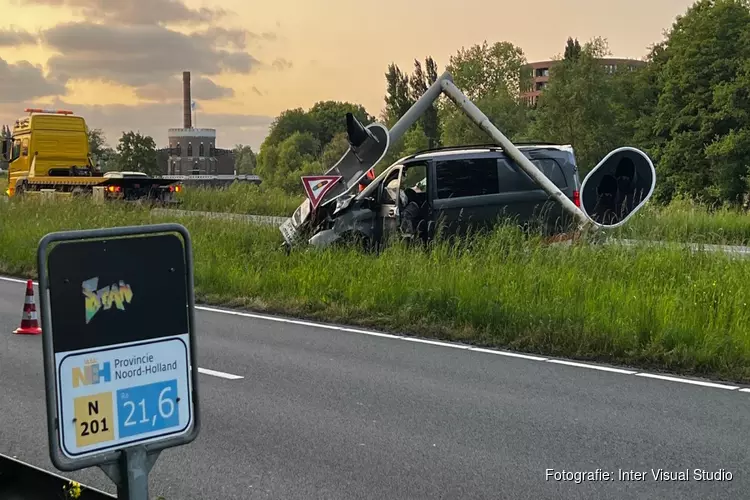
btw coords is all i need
(48, 154)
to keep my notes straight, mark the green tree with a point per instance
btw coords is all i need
(572, 49)
(282, 165)
(289, 122)
(301, 141)
(700, 126)
(137, 153)
(244, 159)
(101, 153)
(330, 118)
(483, 70)
(97, 143)
(636, 95)
(419, 82)
(334, 150)
(578, 107)
(398, 99)
(492, 77)
(729, 154)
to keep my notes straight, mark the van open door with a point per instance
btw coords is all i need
(388, 205)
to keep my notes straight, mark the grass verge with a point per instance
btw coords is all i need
(656, 308)
(680, 221)
(240, 198)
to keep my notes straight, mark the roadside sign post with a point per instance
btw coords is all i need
(117, 313)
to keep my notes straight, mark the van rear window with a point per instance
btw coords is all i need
(466, 177)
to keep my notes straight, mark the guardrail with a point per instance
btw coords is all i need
(220, 177)
(22, 481)
(261, 219)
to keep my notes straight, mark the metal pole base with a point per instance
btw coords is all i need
(130, 474)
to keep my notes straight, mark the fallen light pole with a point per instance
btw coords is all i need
(617, 179)
(643, 169)
(485, 124)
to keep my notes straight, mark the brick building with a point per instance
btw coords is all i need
(193, 151)
(539, 72)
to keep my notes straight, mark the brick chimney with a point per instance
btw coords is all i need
(186, 108)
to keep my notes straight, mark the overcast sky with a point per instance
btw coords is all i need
(119, 63)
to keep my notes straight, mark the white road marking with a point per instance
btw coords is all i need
(593, 367)
(16, 280)
(688, 381)
(434, 342)
(507, 353)
(204, 371)
(225, 375)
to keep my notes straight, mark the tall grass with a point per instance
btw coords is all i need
(663, 308)
(689, 222)
(680, 221)
(240, 198)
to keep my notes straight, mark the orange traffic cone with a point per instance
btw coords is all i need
(29, 323)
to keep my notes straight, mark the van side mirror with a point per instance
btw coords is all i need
(618, 187)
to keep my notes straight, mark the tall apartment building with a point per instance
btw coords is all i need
(540, 74)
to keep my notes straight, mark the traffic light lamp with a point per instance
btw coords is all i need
(618, 187)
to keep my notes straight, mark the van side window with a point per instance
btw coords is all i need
(466, 177)
(518, 180)
(552, 170)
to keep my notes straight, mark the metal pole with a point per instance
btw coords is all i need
(418, 108)
(485, 124)
(134, 475)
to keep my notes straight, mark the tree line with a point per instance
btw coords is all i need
(688, 107)
(136, 152)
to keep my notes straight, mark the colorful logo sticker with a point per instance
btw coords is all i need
(117, 294)
(91, 373)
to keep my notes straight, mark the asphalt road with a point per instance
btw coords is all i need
(335, 413)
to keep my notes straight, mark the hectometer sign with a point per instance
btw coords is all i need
(118, 324)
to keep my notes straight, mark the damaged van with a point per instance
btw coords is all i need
(453, 190)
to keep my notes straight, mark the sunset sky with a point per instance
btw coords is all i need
(119, 63)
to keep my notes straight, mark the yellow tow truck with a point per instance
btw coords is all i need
(48, 153)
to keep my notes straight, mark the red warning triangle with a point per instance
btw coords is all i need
(316, 186)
